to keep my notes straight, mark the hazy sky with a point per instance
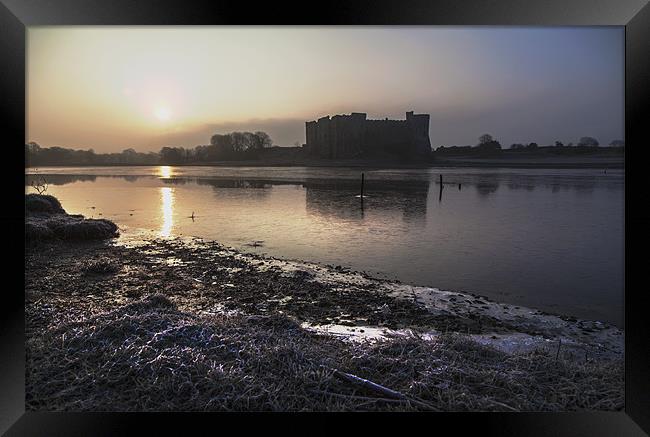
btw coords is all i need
(110, 88)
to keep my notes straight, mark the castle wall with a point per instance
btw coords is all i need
(386, 136)
(349, 136)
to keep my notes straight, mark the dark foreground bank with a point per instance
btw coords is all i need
(167, 325)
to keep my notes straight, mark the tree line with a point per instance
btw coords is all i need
(222, 147)
(487, 145)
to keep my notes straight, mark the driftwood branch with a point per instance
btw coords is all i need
(372, 386)
(386, 392)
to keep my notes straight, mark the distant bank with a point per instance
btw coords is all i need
(605, 162)
(592, 161)
(466, 156)
(505, 161)
(544, 157)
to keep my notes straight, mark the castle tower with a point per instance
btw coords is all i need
(418, 125)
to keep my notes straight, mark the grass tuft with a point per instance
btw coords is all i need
(149, 356)
(47, 220)
(100, 266)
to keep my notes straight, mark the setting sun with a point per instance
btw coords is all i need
(163, 113)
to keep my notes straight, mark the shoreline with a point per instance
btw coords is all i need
(544, 162)
(470, 311)
(85, 297)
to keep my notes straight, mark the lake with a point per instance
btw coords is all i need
(548, 239)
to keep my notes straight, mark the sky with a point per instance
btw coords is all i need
(112, 88)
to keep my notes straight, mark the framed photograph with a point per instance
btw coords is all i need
(385, 208)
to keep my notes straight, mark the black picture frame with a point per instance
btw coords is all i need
(16, 15)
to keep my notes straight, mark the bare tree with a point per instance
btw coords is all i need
(40, 185)
(588, 141)
(262, 140)
(485, 138)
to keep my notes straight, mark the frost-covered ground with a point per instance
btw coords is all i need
(507, 327)
(185, 324)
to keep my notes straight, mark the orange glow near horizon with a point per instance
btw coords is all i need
(110, 88)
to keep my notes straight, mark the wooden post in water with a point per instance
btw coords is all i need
(441, 180)
(362, 181)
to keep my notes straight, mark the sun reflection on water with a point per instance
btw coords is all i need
(167, 211)
(165, 171)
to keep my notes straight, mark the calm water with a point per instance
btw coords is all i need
(550, 239)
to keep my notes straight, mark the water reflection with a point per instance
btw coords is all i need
(478, 238)
(226, 183)
(165, 172)
(485, 188)
(340, 200)
(167, 211)
(484, 184)
(58, 179)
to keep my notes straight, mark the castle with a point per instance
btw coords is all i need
(349, 136)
